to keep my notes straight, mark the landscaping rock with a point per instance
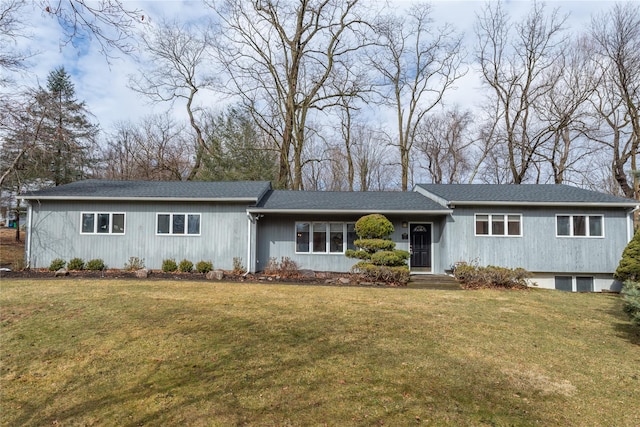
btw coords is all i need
(307, 273)
(61, 272)
(344, 281)
(143, 273)
(215, 275)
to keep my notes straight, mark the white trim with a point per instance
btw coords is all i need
(574, 281)
(430, 249)
(345, 237)
(95, 223)
(186, 224)
(505, 203)
(587, 229)
(146, 199)
(505, 217)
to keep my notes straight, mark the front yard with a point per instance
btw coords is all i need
(106, 352)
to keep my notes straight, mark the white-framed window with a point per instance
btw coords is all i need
(574, 283)
(509, 225)
(579, 225)
(325, 237)
(102, 223)
(178, 224)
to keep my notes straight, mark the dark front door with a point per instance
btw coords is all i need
(420, 247)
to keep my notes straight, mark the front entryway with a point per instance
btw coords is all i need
(420, 247)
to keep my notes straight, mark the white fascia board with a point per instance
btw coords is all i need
(141, 199)
(454, 204)
(349, 211)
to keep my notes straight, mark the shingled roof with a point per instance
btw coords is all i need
(347, 202)
(527, 194)
(93, 189)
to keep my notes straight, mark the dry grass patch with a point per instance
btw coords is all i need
(79, 352)
(11, 252)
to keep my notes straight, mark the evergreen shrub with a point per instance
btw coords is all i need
(57, 264)
(631, 296)
(95, 265)
(185, 266)
(204, 266)
(169, 265)
(75, 264)
(629, 266)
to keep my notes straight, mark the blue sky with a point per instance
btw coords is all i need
(103, 86)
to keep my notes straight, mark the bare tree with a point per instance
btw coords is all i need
(12, 28)
(563, 109)
(109, 22)
(155, 148)
(281, 57)
(617, 101)
(177, 69)
(516, 62)
(418, 63)
(444, 140)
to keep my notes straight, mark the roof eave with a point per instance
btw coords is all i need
(543, 204)
(349, 211)
(144, 199)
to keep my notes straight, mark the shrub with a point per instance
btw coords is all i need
(238, 268)
(204, 266)
(57, 264)
(285, 268)
(169, 265)
(185, 266)
(19, 265)
(373, 226)
(631, 296)
(629, 267)
(95, 265)
(473, 276)
(380, 260)
(393, 258)
(398, 275)
(76, 264)
(134, 263)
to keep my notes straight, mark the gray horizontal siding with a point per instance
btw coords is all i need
(276, 239)
(56, 234)
(539, 249)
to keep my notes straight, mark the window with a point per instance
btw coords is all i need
(566, 283)
(499, 225)
(102, 223)
(579, 226)
(325, 237)
(178, 224)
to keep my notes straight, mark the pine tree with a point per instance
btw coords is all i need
(629, 267)
(68, 133)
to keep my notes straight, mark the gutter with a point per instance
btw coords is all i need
(452, 204)
(349, 211)
(137, 199)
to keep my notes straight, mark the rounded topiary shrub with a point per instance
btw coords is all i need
(57, 264)
(185, 266)
(76, 264)
(95, 265)
(374, 226)
(629, 267)
(169, 265)
(204, 266)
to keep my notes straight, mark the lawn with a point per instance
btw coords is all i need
(129, 353)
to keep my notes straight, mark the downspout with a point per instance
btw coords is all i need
(630, 223)
(27, 251)
(249, 222)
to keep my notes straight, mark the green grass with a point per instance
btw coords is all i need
(128, 353)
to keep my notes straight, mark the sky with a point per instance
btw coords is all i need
(103, 86)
